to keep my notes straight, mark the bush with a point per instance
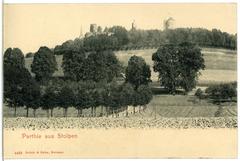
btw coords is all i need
(199, 93)
(222, 92)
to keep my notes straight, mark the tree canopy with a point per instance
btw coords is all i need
(44, 64)
(101, 66)
(178, 66)
(137, 71)
(14, 57)
(73, 64)
(20, 89)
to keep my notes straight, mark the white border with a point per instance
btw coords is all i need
(113, 1)
(120, 1)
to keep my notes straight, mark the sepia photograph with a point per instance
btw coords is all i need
(129, 80)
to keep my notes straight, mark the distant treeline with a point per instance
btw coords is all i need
(118, 38)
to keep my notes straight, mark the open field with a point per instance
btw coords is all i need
(185, 106)
(221, 64)
(164, 105)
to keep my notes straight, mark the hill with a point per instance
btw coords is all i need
(221, 64)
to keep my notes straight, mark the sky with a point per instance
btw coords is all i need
(29, 26)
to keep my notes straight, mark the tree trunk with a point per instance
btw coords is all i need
(144, 108)
(65, 112)
(27, 112)
(34, 112)
(126, 111)
(95, 111)
(48, 113)
(106, 111)
(91, 111)
(15, 111)
(79, 112)
(51, 112)
(101, 113)
(155, 112)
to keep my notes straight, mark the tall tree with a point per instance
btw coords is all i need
(178, 66)
(145, 95)
(191, 61)
(80, 99)
(66, 98)
(101, 66)
(137, 71)
(14, 57)
(126, 96)
(114, 102)
(31, 94)
(73, 64)
(44, 64)
(16, 86)
(49, 99)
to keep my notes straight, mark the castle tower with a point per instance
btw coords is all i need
(168, 23)
(81, 33)
(134, 26)
(93, 28)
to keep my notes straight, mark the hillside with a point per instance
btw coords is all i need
(221, 64)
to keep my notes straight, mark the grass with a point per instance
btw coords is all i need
(221, 64)
(185, 106)
(165, 106)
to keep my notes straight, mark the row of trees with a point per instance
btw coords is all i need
(20, 88)
(84, 95)
(121, 39)
(88, 81)
(77, 65)
(96, 66)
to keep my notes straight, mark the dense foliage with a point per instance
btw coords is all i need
(101, 66)
(137, 71)
(44, 64)
(90, 95)
(73, 64)
(178, 66)
(222, 92)
(100, 42)
(14, 57)
(29, 55)
(118, 38)
(20, 88)
(96, 66)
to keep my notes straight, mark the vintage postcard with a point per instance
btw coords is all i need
(120, 80)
